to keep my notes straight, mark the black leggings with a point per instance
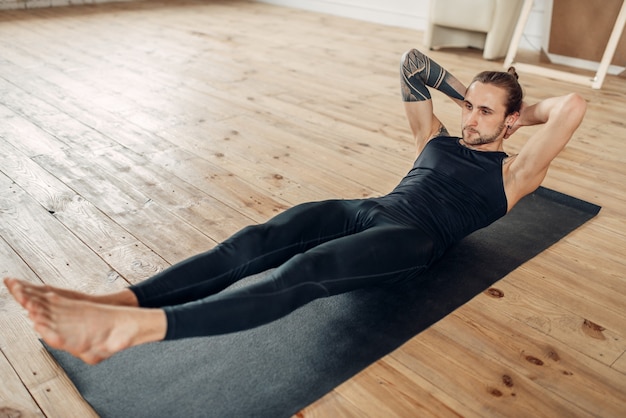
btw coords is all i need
(315, 250)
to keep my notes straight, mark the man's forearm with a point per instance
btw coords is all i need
(564, 111)
(418, 72)
(540, 112)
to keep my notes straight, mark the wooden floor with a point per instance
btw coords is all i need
(133, 135)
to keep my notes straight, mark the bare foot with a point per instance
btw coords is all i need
(90, 331)
(20, 288)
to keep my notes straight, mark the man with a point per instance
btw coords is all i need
(319, 249)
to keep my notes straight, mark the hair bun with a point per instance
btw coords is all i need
(512, 71)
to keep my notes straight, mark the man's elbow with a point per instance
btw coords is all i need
(573, 108)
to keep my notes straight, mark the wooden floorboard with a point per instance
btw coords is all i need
(135, 134)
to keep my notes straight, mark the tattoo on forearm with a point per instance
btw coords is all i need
(418, 72)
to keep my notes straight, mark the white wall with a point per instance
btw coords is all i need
(408, 14)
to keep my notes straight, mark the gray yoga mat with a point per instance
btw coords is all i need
(277, 369)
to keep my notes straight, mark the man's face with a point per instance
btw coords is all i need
(483, 114)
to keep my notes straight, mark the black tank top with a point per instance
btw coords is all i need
(451, 191)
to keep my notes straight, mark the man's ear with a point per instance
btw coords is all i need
(512, 118)
(510, 123)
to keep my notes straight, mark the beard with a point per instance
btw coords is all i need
(482, 138)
